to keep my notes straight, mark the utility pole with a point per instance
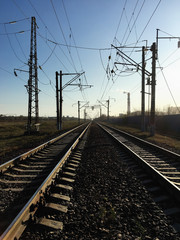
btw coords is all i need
(153, 84)
(143, 91)
(130, 61)
(79, 107)
(78, 112)
(128, 103)
(85, 114)
(107, 101)
(108, 109)
(32, 86)
(59, 100)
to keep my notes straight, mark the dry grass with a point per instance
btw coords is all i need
(13, 140)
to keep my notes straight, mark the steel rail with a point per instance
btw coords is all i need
(170, 153)
(16, 228)
(170, 187)
(23, 156)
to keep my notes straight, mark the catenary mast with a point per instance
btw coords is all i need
(33, 108)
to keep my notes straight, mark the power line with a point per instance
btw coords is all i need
(120, 18)
(58, 22)
(127, 75)
(134, 89)
(83, 94)
(150, 19)
(26, 18)
(85, 48)
(11, 74)
(12, 46)
(15, 21)
(105, 89)
(75, 89)
(38, 31)
(119, 24)
(168, 86)
(13, 33)
(124, 10)
(22, 80)
(130, 21)
(21, 47)
(113, 74)
(166, 33)
(135, 30)
(57, 57)
(26, 82)
(69, 97)
(135, 21)
(102, 84)
(72, 46)
(145, 25)
(52, 51)
(170, 55)
(50, 81)
(101, 60)
(172, 62)
(63, 34)
(72, 34)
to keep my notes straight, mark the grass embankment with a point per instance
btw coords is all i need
(13, 141)
(169, 142)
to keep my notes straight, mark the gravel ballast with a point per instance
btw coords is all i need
(108, 201)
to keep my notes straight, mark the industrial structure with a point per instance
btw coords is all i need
(32, 87)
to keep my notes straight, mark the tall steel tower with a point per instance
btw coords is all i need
(32, 88)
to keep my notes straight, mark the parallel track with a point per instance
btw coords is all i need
(156, 167)
(25, 179)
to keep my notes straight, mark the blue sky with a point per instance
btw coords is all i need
(91, 26)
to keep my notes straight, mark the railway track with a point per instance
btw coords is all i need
(48, 191)
(157, 168)
(24, 180)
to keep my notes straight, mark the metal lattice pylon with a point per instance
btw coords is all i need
(32, 88)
